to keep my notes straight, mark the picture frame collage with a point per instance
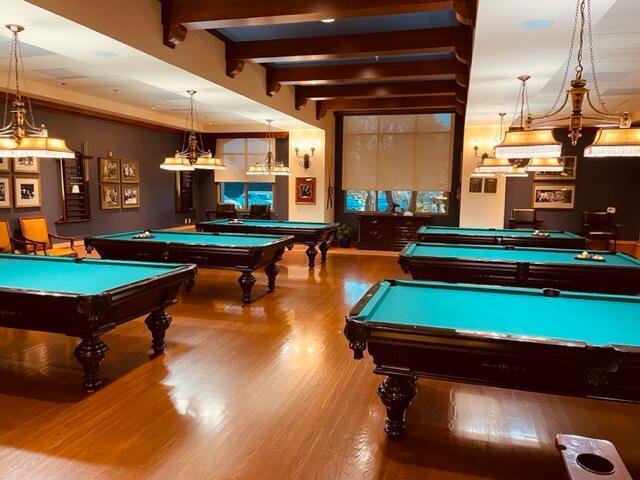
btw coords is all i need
(20, 185)
(119, 183)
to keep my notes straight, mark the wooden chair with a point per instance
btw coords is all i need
(524, 218)
(35, 231)
(8, 244)
(600, 226)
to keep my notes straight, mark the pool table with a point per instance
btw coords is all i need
(565, 343)
(501, 236)
(242, 252)
(312, 234)
(87, 297)
(522, 267)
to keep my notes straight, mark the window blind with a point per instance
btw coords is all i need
(238, 154)
(397, 152)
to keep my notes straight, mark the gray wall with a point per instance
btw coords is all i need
(149, 147)
(600, 183)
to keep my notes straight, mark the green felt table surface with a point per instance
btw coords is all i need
(271, 223)
(595, 319)
(66, 275)
(516, 254)
(497, 232)
(197, 238)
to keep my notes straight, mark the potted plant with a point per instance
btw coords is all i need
(344, 235)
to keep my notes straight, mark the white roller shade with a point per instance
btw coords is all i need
(238, 154)
(397, 152)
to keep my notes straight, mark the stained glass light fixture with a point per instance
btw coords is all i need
(19, 135)
(193, 155)
(270, 165)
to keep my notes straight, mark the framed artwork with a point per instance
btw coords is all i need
(490, 185)
(109, 197)
(569, 172)
(130, 171)
(306, 190)
(5, 192)
(475, 185)
(130, 196)
(109, 169)
(26, 191)
(559, 196)
(26, 165)
(5, 164)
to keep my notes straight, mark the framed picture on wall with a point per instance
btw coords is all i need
(306, 190)
(26, 191)
(5, 192)
(109, 197)
(5, 164)
(26, 165)
(475, 185)
(109, 169)
(130, 171)
(568, 173)
(130, 196)
(490, 185)
(552, 196)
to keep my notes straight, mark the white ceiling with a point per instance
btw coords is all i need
(504, 49)
(63, 56)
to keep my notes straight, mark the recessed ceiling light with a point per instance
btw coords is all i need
(538, 24)
(328, 20)
(104, 54)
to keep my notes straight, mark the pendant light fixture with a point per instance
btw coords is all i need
(544, 165)
(270, 166)
(622, 139)
(489, 165)
(193, 155)
(19, 136)
(520, 142)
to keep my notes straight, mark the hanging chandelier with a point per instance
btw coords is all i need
(270, 166)
(619, 140)
(19, 136)
(193, 155)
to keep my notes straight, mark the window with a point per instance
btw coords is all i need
(243, 195)
(434, 203)
(360, 200)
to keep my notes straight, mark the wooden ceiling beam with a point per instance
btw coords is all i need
(446, 39)
(439, 102)
(179, 16)
(327, 74)
(379, 90)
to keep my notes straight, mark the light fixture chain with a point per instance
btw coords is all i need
(567, 66)
(5, 123)
(24, 76)
(593, 60)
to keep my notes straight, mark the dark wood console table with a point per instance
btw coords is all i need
(387, 231)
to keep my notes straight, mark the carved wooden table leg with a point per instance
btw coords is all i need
(324, 246)
(246, 281)
(90, 353)
(396, 393)
(272, 271)
(190, 283)
(311, 254)
(157, 322)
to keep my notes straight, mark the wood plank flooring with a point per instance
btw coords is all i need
(270, 391)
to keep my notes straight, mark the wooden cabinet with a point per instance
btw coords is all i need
(382, 231)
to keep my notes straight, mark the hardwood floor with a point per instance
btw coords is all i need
(270, 391)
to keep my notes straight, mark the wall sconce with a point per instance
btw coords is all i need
(306, 158)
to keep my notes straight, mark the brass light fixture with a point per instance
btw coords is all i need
(521, 142)
(19, 136)
(270, 166)
(618, 140)
(489, 165)
(193, 155)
